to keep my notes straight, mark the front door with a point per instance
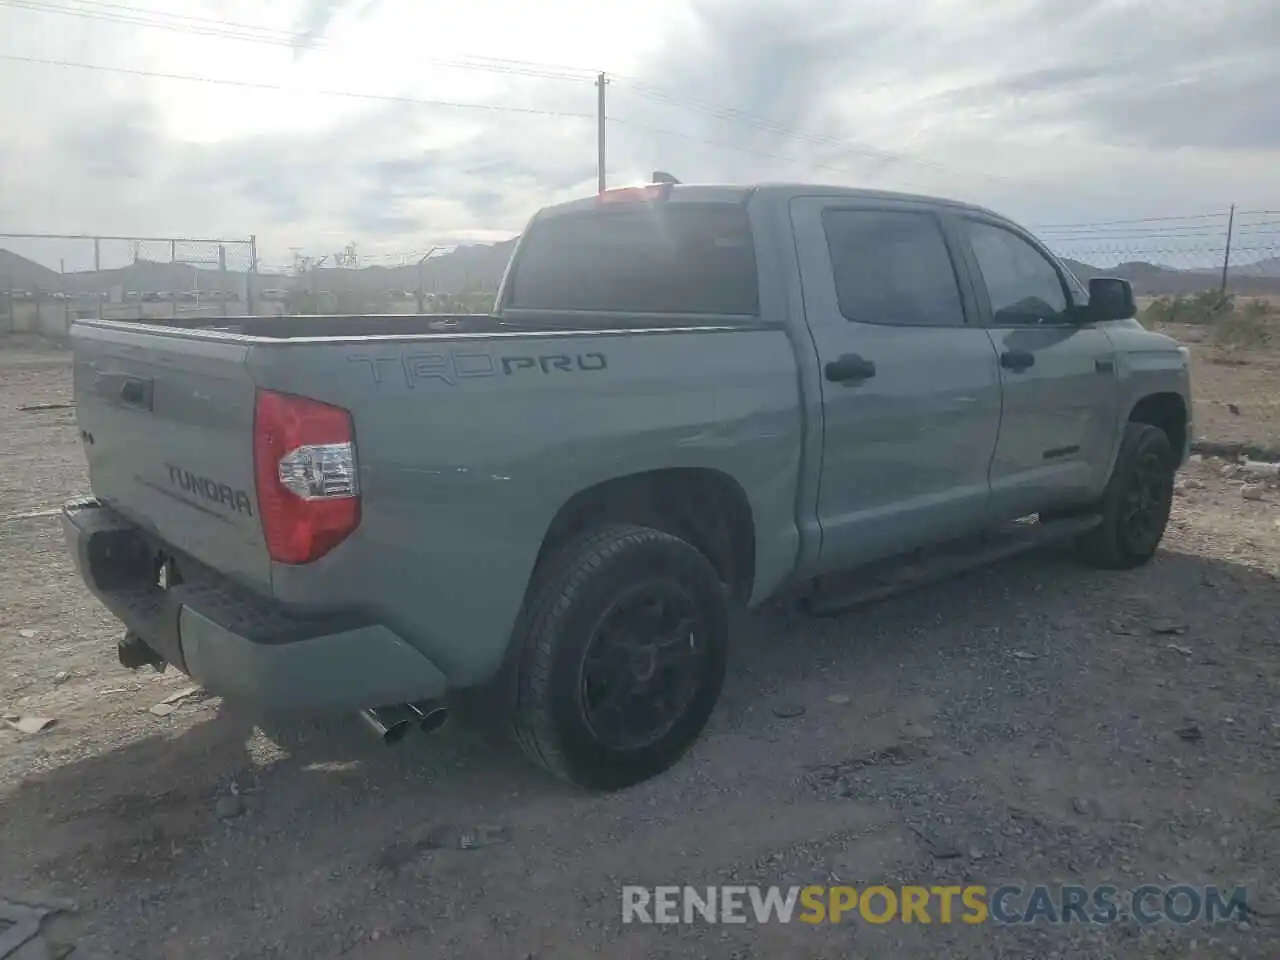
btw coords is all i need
(1059, 376)
(910, 387)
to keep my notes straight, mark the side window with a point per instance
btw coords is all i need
(892, 268)
(1023, 286)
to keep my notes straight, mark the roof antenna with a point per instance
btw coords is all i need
(660, 176)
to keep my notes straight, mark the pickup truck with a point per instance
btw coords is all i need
(688, 399)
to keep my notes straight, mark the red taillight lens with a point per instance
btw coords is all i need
(304, 460)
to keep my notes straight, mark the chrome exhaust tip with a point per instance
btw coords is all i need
(391, 724)
(434, 719)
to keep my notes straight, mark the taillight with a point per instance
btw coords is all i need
(304, 458)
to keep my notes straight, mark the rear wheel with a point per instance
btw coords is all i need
(1135, 507)
(624, 646)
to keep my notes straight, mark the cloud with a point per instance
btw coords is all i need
(1096, 109)
(315, 16)
(1195, 77)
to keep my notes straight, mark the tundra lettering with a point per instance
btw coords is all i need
(211, 490)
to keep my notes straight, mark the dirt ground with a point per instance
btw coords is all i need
(1034, 722)
(1236, 394)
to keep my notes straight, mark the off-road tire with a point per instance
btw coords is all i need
(1112, 545)
(571, 591)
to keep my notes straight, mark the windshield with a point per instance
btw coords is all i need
(679, 258)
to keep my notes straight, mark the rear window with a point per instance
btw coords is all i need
(694, 258)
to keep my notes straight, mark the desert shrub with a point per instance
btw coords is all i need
(1248, 328)
(1205, 307)
(472, 302)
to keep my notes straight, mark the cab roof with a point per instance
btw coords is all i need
(736, 193)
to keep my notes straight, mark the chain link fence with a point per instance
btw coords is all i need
(441, 279)
(1235, 251)
(49, 280)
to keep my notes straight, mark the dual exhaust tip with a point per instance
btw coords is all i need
(392, 724)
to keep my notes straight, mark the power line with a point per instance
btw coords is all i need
(251, 85)
(1108, 223)
(203, 26)
(847, 171)
(227, 30)
(1143, 251)
(733, 115)
(113, 12)
(1137, 229)
(728, 146)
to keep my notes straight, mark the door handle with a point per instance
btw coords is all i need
(850, 368)
(129, 391)
(1017, 360)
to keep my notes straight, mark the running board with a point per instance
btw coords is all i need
(836, 593)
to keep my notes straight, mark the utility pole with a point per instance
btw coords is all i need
(600, 152)
(251, 307)
(97, 270)
(1226, 257)
(422, 296)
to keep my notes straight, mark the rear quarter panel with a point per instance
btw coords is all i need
(469, 446)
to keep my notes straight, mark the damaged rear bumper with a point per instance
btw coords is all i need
(235, 643)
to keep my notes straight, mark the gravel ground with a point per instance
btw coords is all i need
(1234, 392)
(1035, 721)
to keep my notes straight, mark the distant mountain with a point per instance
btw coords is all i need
(146, 276)
(1263, 268)
(19, 273)
(479, 267)
(1152, 280)
(467, 268)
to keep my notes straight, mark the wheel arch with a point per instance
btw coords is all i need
(1167, 411)
(705, 506)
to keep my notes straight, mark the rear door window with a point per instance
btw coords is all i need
(663, 258)
(892, 267)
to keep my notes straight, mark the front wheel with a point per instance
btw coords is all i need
(1136, 504)
(624, 645)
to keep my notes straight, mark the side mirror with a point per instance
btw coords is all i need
(1111, 298)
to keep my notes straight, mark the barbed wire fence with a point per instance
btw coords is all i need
(55, 279)
(421, 280)
(49, 280)
(1234, 251)
(1163, 253)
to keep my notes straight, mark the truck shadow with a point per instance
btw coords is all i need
(159, 813)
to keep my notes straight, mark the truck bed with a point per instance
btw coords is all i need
(335, 325)
(471, 433)
(326, 326)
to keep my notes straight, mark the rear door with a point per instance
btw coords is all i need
(910, 388)
(1059, 376)
(167, 422)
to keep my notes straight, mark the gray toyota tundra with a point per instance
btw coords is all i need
(687, 398)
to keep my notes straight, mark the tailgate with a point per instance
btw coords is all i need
(167, 421)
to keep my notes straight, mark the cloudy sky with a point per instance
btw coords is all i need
(326, 124)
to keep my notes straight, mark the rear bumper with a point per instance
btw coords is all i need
(236, 644)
